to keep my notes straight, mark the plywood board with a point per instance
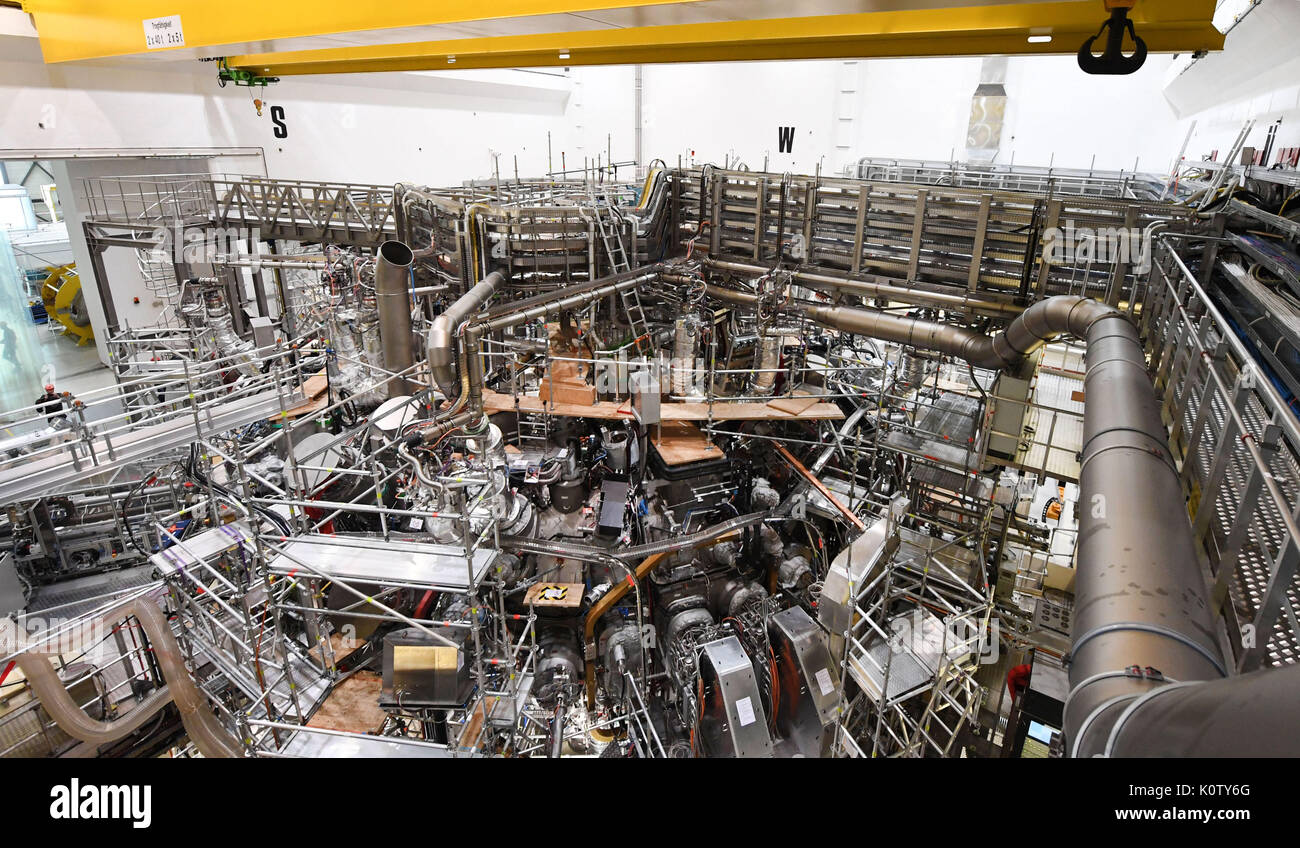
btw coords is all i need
(315, 389)
(681, 443)
(352, 706)
(496, 402)
(556, 595)
(795, 405)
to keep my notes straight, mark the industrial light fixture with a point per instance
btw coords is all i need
(1040, 39)
(451, 60)
(564, 54)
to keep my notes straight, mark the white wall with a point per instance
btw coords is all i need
(1058, 114)
(444, 127)
(1256, 76)
(906, 108)
(119, 262)
(381, 128)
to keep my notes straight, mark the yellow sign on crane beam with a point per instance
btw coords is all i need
(70, 30)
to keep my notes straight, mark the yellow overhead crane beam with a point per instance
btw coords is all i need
(71, 30)
(1017, 28)
(76, 30)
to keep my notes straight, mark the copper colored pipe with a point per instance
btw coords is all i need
(603, 606)
(811, 478)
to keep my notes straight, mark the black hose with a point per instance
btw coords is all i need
(274, 518)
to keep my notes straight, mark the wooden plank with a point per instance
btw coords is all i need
(681, 443)
(799, 402)
(560, 595)
(352, 706)
(314, 389)
(607, 410)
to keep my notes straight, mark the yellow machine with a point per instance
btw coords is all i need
(65, 303)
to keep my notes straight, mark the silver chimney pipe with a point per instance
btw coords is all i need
(393, 300)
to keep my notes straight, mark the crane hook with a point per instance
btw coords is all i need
(1113, 60)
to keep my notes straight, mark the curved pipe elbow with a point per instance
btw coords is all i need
(442, 357)
(441, 342)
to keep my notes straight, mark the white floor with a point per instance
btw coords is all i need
(70, 367)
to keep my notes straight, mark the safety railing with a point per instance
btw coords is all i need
(301, 210)
(1002, 244)
(1009, 177)
(1238, 443)
(162, 200)
(60, 441)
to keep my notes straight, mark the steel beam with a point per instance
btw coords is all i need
(94, 29)
(1166, 25)
(525, 33)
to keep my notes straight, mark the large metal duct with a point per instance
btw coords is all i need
(393, 300)
(208, 735)
(442, 343)
(1007, 350)
(1140, 596)
(1248, 716)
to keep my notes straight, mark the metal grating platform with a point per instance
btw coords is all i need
(1266, 532)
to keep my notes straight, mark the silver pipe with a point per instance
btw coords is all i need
(393, 300)
(1248, 716)
(1140, 598)
(767, 361)
(441, 341)
(868, 288)
(1007, 350)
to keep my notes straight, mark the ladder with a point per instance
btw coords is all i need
(533, 428)
(612, 237)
